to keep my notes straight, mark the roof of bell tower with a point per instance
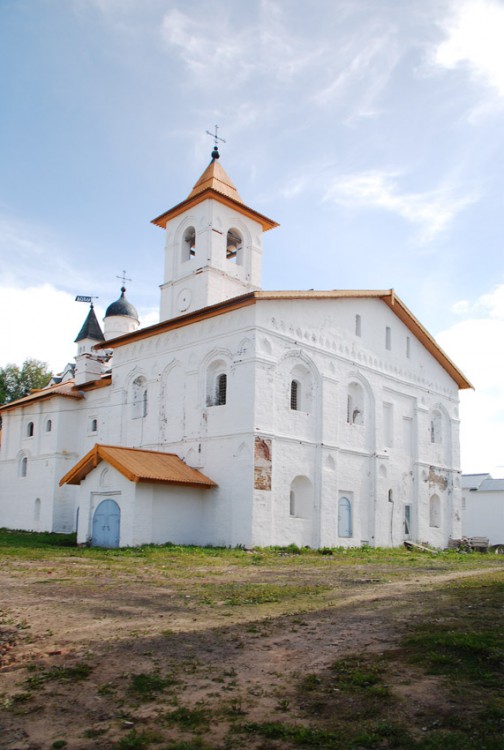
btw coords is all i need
(216, 178)
(215, 183)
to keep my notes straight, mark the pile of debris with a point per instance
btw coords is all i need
(470, 544)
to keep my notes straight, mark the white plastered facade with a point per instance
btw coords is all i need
(366, 451)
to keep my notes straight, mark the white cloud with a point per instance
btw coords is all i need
(35, 255)
(461, 307)
(433, 210)
(224, 55)
(360, 67)
(475, 35)
(40, 322)
(475, 344)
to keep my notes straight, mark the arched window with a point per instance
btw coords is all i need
(355, 404)
(189, 244)
(216, 385)
(139, 398)
(435, 427)
(434, 512)
(295, 395)
(23, 466)
(234, 245)
(301, 389)
(94, 425)
(36, 510)
(30, 429)
(48, 426)
(345, 517)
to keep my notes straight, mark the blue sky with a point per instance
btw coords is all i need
(371, 130)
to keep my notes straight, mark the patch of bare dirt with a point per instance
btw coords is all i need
(230, 664)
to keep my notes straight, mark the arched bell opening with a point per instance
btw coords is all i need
(234, 246)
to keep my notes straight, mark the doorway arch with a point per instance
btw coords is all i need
(106, 524)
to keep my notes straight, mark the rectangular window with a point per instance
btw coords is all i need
(292, 503)
(407, 521)
(388, 338)
(221, 389)
(294, 395)
(358, 325)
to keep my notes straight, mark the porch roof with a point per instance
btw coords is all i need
(139, 465)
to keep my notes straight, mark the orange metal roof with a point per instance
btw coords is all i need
(388, 296)
(216, 178)
(139, 465)
(215, 183)
(66, 389)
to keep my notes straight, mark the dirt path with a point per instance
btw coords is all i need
(243, 660)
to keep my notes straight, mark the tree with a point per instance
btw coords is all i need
(16, 382)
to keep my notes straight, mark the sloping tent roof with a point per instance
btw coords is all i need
(139, 465)
(388, 296)
(215, 183)
(91, 328)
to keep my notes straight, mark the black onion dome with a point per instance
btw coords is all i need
(121, 307)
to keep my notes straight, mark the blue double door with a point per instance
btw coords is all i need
(106, 524)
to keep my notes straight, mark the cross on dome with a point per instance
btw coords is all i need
(124, 279)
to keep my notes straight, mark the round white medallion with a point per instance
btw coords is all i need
(184, 299)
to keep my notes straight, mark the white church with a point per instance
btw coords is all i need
(244, 417)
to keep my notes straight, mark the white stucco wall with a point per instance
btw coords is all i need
(382, 462)
(483, 515)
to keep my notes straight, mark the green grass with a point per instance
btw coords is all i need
(177, 559)
(145, 686)
(189, 718)
(239, 594)
(73, 673)
(355, 674)
(380, 735)
(469, 647)
(137, 740)
(35, 540)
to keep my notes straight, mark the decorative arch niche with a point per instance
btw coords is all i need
(139, 398)
(301, 498)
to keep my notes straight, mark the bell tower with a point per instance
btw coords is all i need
(213, 249)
